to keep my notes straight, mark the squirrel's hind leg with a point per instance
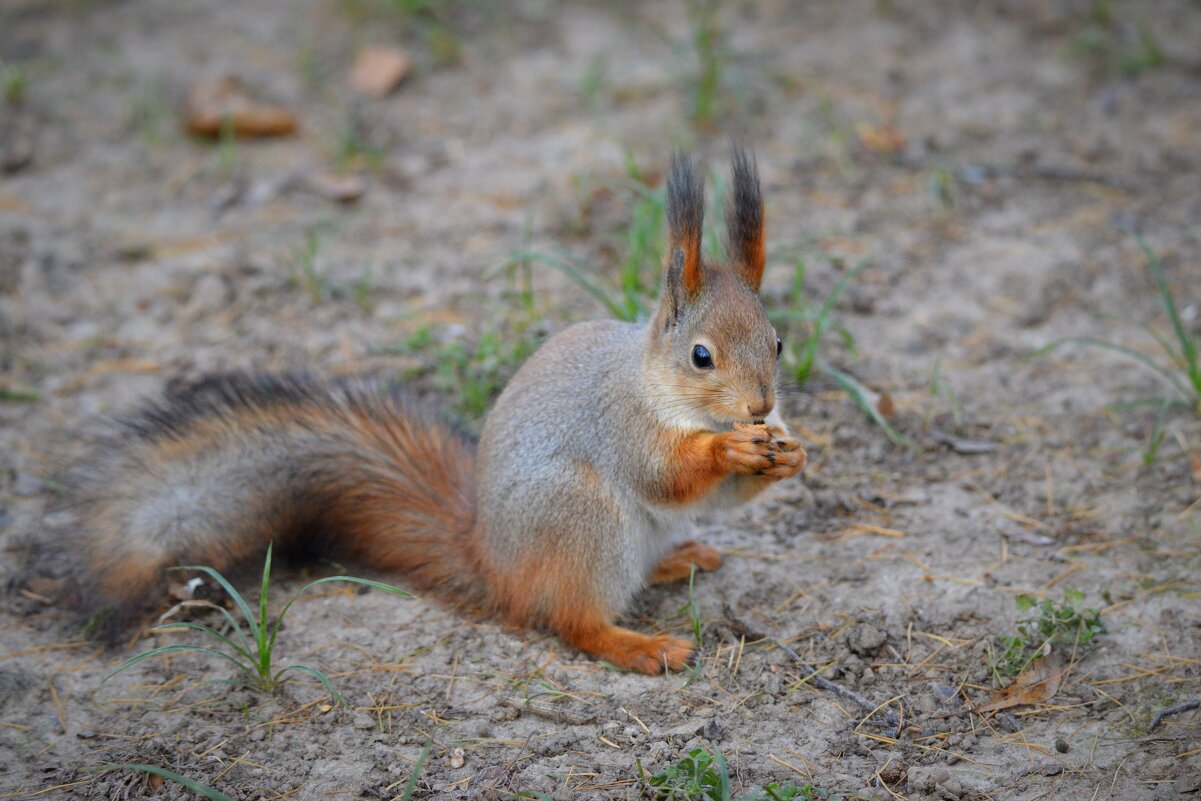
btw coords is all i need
(677, 564)
(627, 649)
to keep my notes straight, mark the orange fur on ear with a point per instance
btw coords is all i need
(744, 219)
(685, 219)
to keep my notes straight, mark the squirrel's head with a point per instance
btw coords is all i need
(714, 351)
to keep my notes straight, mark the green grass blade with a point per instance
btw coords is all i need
(1142, 403)
(231, 592)
(859, 395)
(260, 632)
(1157, 436)
(171, 649)
(196, 787)
(1141, 358)
(187, 624)
(1188, 346)
(379, 585)
(319, 676)
(839, 288)
(567, 268)
(418, 766)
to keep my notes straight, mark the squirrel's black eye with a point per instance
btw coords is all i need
(779, 347)
(702, 358)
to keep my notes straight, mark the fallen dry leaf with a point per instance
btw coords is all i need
(215, 105)
(885, 406)
(338, 188)
(1036, 684)
(880, 138)
(378, 70)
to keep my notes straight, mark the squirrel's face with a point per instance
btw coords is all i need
(718, 362)
(715, 352)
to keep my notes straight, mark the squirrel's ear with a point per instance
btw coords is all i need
(685, 218)
(744, 219)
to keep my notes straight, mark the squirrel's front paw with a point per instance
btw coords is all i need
(748, 449)
(790, 460)
(758, 450)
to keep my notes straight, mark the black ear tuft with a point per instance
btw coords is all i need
(744, 218)
(685, 219)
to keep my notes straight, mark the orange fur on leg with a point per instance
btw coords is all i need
(630, 650)
(677, 565)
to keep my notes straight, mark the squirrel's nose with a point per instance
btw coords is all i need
(763, 407)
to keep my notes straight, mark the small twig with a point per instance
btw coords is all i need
(812, 674)
(1173, 710)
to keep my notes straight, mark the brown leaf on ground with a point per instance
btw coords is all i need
(1036, 684)
(885, 406)
(378, 70)
(214, 105)
(880, 138)
(338, 188)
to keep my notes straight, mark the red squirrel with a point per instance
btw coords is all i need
(582, 488)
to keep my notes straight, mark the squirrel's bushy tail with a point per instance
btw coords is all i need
(211, 475)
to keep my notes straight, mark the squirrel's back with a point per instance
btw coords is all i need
(214, 473)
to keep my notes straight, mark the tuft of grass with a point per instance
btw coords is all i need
(1049, 623)
(475, 372)
(804, 325)
(253, 655)
(1183, 368)
(1112, 48)
(228, 160)
(303, 270)
(200, 789)
(433, 20)
(14, 82)
(358, 146)
(940, 388)
(594, 81)
(19, 395)
(707, 42)
(703, 775)
(630, 295)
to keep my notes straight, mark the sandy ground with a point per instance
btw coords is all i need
(133, 257)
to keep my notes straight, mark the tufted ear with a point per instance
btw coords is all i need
(685, 218)
(744, 219)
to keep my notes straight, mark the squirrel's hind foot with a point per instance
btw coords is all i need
(630, 650)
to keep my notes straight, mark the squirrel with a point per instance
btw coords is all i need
(594, 461)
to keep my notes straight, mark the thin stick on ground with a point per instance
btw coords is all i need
(1173, 710)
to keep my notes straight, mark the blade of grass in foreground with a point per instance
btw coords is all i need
(1188, 346)
(861, 398)
(196, 787)
(1139, 357)
(171, 649)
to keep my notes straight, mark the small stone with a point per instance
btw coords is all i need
(865, 639)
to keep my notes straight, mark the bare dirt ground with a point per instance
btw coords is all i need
(979, 156)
